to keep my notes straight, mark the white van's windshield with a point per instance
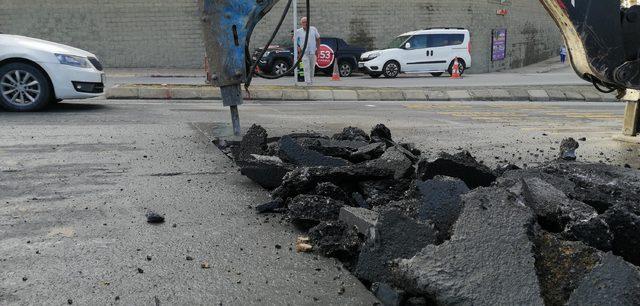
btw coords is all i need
(398, 42)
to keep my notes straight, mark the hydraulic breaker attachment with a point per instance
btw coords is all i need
(227, 27)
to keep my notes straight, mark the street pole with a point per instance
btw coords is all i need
(295, 42)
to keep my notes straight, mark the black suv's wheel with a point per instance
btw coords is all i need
(23, 88)
(391, 69)
(436, 74)
(280, 67)
(345, 69)
(461, 66)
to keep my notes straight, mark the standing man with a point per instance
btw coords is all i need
(311, 54)
(563, 54)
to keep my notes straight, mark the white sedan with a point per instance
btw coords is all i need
(34, 73)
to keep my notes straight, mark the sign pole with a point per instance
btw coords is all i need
(295, 43)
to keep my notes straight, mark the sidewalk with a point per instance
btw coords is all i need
(545, 81)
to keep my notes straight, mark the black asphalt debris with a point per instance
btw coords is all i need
(277, 205)
(154, 217)
(568, 149)
(450, 230)
(461, 165)
(352, 133)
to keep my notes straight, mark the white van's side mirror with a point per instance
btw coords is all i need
(407, 46)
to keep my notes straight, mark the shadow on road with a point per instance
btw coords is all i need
(72, 107)
(65, 108)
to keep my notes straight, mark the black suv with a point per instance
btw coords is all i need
(279, 58)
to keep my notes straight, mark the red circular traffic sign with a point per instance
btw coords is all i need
(325, 56)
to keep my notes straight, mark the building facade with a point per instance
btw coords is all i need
(166, 33)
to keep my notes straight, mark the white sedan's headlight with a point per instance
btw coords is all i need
(373, 55)
(72, 60)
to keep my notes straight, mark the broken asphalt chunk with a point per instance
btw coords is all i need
(154, 218)
(303, 180)
(266, 171)
(593, 232)
(568, 148)
(334, 148)
(490, 245)
(253, 142)
(624, 222)
(461, 165)
(612, 282)
(329, 189)
(440, 202)
(553, 209)
(362, 219)
(309, 210)
(335, 239)
(394, 160)
(294, 153)
(274, 206)
(380, 133)
(394, 236)
(597, 185)
(351, 133)
(381, 192)
(368, 152)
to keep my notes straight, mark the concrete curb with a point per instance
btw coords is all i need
(282, 93)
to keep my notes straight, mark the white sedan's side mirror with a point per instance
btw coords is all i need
(407, 46)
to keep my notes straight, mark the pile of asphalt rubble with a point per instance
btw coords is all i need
(452, 230)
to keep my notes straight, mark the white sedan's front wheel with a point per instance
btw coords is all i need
(23, 88)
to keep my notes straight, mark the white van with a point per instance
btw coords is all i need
(425, 51)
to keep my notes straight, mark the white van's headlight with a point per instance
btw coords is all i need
(373, 55)
(72, 60)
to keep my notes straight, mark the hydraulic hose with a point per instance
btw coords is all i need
(252, 70)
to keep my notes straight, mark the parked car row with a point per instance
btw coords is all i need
(279, 58)
(432, 50)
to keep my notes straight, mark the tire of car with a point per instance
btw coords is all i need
(436, 74)
(462, 66)
(345, 69)
(391, 69)
(280, 67)
(23, 88)
(375, 75)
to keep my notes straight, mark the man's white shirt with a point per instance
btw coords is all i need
(313, 35)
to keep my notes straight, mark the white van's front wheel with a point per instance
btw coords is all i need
(391, 69)
(462, 66)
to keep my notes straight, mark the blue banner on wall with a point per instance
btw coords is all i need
(499, 45)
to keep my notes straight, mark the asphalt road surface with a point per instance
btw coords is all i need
(77, 180)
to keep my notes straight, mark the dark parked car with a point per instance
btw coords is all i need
(279, 58)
